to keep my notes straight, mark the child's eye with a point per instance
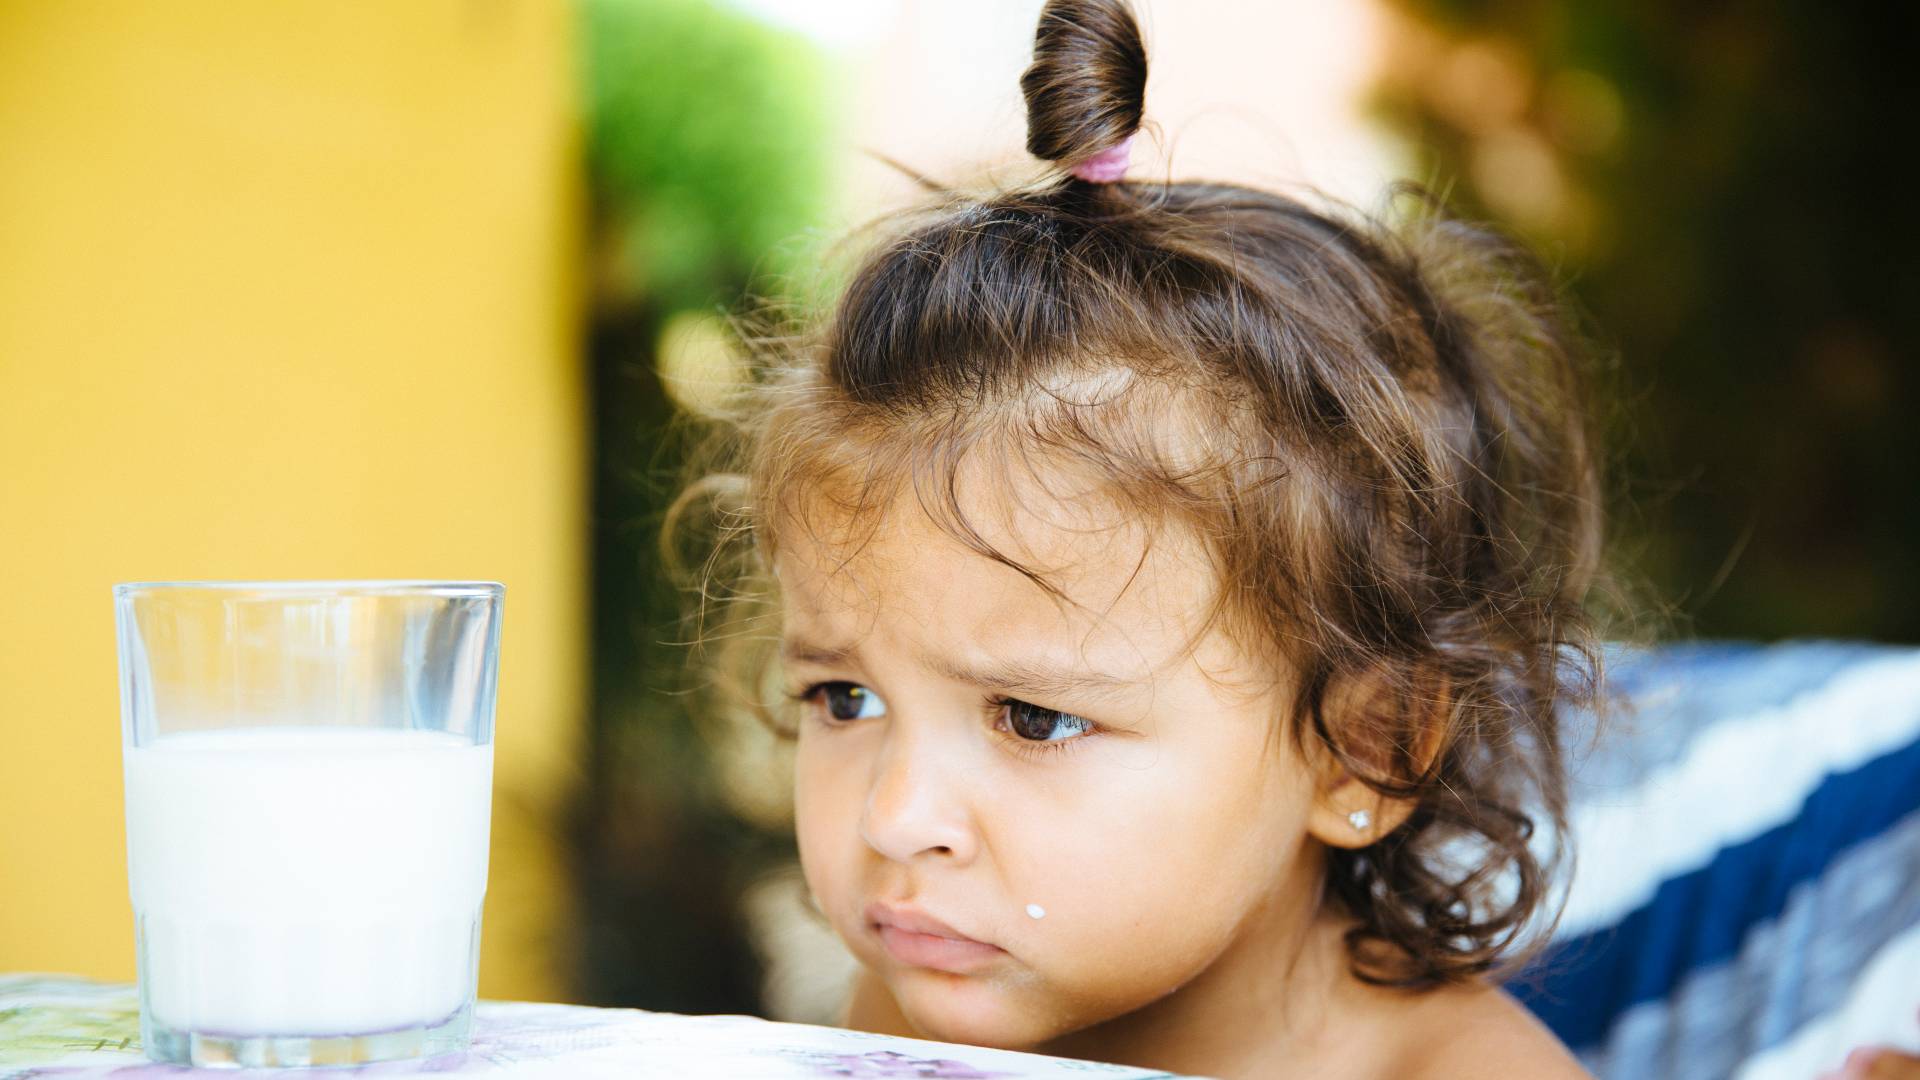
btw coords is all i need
(1035, 723)
(845, 700)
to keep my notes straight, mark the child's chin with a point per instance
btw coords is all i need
(972, 1010)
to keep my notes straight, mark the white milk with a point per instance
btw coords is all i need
(307, 880)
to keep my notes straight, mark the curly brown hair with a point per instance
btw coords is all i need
(1379, 426)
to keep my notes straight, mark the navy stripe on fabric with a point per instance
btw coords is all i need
(1582, 985)
(1792, 971)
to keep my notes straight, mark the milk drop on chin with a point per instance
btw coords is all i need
(307, 880)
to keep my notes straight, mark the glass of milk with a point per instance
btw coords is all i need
(309, 768)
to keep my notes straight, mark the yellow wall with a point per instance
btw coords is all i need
(285, 291)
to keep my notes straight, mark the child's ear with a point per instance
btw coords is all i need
(1346, 812)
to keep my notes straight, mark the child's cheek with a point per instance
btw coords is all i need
(1172, 919)
(1172, 863)
(826, 830)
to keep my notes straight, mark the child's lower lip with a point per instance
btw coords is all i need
(933, 951)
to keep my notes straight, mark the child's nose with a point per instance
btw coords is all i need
(915, 809)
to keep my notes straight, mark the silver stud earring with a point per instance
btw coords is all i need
(1360, 820)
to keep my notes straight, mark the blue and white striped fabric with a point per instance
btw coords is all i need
(1746, 901)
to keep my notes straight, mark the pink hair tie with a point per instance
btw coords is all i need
(1108, 165)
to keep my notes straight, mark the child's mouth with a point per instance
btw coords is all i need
(918, 940)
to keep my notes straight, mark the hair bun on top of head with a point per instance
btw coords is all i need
(1086, 88)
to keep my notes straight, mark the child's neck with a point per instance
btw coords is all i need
(1282, 996)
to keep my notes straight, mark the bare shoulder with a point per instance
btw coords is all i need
(1468, 1032)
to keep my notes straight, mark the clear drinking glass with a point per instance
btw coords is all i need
(309, 768)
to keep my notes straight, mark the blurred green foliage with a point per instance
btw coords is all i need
(705, 136)
(704, 133)
(1723, 186)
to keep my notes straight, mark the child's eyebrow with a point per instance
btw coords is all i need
(1025, 677)
(799, 652)
(1005, 676)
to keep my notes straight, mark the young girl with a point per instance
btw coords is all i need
(1175, 585)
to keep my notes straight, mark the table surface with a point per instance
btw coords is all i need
(60, 1026)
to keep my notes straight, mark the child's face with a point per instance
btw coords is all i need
(1167, 835)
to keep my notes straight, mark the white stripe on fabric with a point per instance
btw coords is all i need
(1740, 778)
(1883, 1009)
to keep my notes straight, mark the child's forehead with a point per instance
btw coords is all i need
(910, 556)
(1056, 521)
(1136, 593)
(1110, 572)
(1134, 610)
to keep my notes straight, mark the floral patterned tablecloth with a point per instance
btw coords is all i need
(58, 1026)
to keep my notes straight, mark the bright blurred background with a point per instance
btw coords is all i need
(309, 290)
